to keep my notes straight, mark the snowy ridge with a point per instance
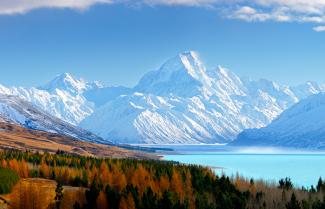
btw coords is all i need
(61, 97)
(18, 111)
(302, 126)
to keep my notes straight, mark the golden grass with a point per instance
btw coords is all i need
(17, 137)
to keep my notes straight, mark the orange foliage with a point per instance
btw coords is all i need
(104, 173)
(23, 169)
(102, 201)
(189, 189)
(3, 164)
(142, 180)
(242, 184)
(118, 180)
(127, 203)
(163, 184)
(177, 184)
(44, 169)
(13, 165)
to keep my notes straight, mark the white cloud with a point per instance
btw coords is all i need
(319, 28)
(9, 7)
(249, 14)
(302, 11)
(300, 6)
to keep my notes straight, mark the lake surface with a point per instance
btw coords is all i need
(303, 168)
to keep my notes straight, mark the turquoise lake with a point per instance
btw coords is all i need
(303, 169)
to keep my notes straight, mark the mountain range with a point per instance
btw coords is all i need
(182, 102)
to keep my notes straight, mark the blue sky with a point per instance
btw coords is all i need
(117, 43)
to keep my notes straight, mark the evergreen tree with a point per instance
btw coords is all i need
(293, 204)
(285, 184)
(58, 195)
(91, 195)
(320, 185)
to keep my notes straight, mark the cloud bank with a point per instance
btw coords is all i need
(11, 7)
(302, 11)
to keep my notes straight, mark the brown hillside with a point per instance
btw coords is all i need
(16, 137)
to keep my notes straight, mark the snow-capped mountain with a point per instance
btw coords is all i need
(62, 97)
(18, 111)
(183, 102)
(302, 126)
(65, 82)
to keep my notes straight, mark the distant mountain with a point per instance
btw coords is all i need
(61, 97)
(301, 126)
(15, 110)
(183, 102)
(65, 82)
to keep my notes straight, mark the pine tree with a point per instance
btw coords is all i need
(293, 204)
(58, 195)
(320, 184)
(92, 195)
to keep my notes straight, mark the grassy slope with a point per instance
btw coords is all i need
(16, 137)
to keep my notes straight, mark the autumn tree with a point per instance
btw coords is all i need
(23, 169)
(104, 173)
(3, 163)
(177, 184)
(164, 184)
(102, 202)
(189, 190)
(13, 165)
(44, 169)
(118, 179)
(141, 180)
(127, 202)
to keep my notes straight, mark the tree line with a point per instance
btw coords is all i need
(143, 184)
(128, 183)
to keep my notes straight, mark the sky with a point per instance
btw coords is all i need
(118, 41)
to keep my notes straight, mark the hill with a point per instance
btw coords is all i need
(16, 137)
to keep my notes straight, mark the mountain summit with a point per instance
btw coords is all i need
(62, 97)
(183, 75)
(67, 82)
